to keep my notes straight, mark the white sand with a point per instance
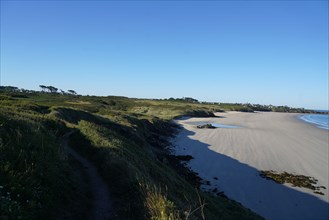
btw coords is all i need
(263, 141)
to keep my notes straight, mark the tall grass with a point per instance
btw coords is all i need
(32, 173)
(157, 203)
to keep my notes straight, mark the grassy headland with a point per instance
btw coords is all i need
(127, 139)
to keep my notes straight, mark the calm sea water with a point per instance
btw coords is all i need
(322, 121)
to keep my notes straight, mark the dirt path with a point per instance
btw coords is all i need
(102, 206)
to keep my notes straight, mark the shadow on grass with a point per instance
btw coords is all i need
(243, 184)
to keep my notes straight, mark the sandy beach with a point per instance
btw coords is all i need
(231, 158)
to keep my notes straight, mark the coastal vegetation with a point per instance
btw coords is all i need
(264, 108)
(176, 105)
(34, 170)
(126, 139)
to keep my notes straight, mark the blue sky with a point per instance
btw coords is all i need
(267, 52)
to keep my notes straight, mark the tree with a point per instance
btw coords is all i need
(52, 89)
(72, 92)
(9, 88)
(189, 99)
(43, 88)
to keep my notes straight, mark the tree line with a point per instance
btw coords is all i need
(44, 89)
(52, 89)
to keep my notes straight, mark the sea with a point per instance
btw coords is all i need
(322, 121)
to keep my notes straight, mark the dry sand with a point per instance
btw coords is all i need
(263, 141)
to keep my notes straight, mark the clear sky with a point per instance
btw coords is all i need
(267, 52)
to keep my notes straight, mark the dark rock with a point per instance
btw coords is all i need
(206, 126)
(207, 182)
(293, 179)
(221, 194)
(184, 157)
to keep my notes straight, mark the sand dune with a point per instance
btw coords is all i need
(263, 141)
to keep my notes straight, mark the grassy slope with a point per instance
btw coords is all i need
(35, 174)
(126, 139)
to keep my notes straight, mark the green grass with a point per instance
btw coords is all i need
(32, 165)
(125, 138)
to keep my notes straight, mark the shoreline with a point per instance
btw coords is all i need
(317, 124)
(227, 157)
